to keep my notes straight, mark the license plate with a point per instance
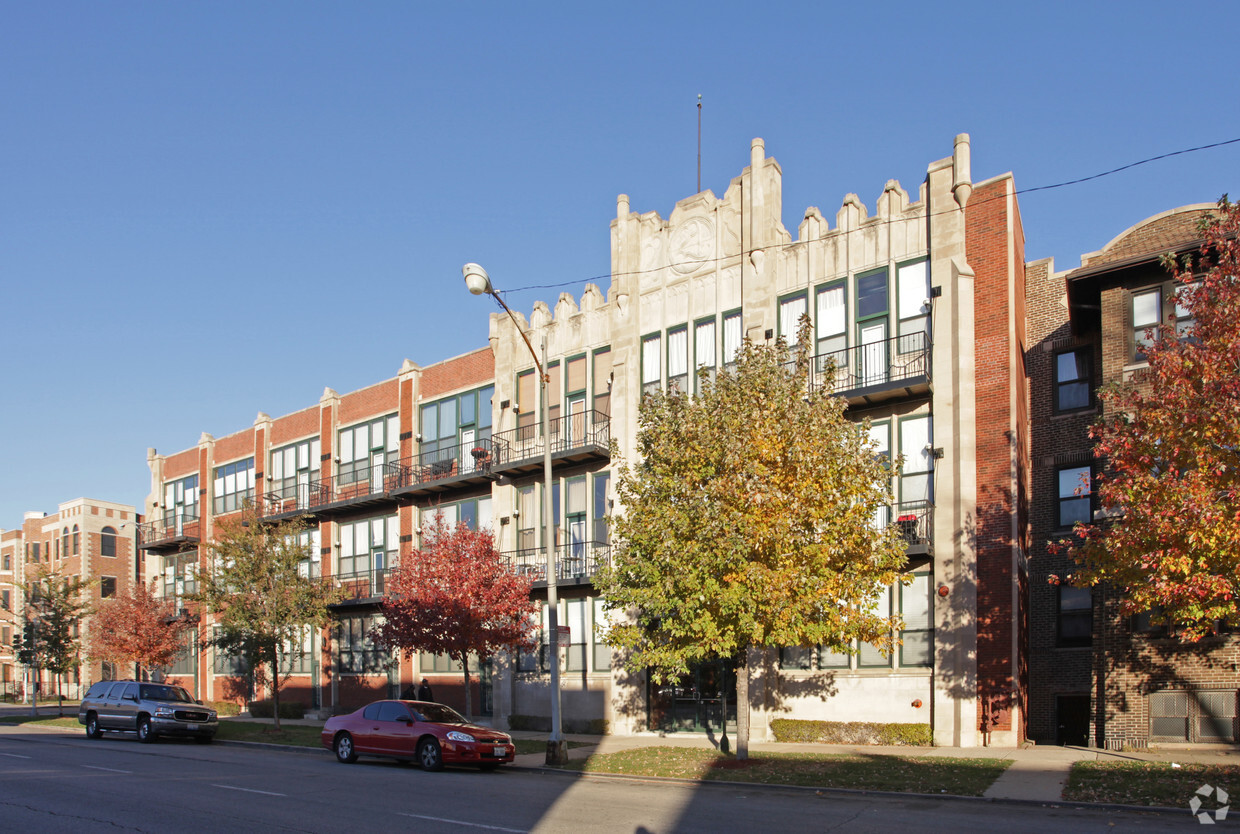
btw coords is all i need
(500, 751)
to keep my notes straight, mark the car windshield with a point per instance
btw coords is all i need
(154, 692)
(439, 714)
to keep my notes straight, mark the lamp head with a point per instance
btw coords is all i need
(476, 279)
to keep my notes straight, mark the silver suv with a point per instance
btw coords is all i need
(148, 709)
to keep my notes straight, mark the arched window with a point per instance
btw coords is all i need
(107, 542)
(77, 541)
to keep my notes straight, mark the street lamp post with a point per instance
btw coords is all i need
(479, 283)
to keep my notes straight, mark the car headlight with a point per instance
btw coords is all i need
(456, 735)
(164, 712)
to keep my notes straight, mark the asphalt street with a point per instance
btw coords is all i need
(55, 782)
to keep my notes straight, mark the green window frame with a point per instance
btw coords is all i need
(233, 486)
(364, 446)
(600, 381)
(791, 308)
(678, 358)
(652, 363)
(732, 338)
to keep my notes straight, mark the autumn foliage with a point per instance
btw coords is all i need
(456, 597)
(137, 627)
(1169, 442)
(749, 522)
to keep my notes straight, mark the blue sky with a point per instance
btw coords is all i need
(212, 209)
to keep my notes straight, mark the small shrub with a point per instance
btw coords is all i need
(225, 707)
(851, 732)
(266, 709)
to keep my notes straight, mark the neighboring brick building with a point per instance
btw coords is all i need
(87, 539)
(1098, 678)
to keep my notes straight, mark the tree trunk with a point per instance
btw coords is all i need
(742, 704)
(465, 668)
(275, 682)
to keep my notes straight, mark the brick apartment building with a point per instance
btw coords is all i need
(1098, 678)
(922, 304)
(85, 538)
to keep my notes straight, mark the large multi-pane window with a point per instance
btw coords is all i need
(602, 381)
(297, 653)
(366, 447)
(1074, 495)
(294, 468)
(915, 605)
(733, 337)
(179, 575)
(474, 513)
(181, 500)
(912, 293)
(790, 311)
(311, 564)
(678, 359)
(1075, 623)
(226, 662)
(587, 621)
(107, 541)
(652, 358)
(832, 326)
(1073, 389)
(1185, 324)
(358, 652)
(527, 403)
(453, 427)
(917, 473)
(601, 508)
(1146, 316)
(368, 547)
(704, 350)
(233, 485)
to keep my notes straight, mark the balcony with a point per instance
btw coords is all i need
(294, 500)
(576, 563)
(171, 531)
(877, 372)
(365, 486)
(915, 523)
(576, 438)
(447, 467)
(363, 586)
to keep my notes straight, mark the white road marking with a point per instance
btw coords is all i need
(470, 824)
(108, 769)
(14, 756)
(248, 790)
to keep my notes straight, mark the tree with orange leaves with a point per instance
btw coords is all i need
(456, 596)
(137, 628)
(1170, 443)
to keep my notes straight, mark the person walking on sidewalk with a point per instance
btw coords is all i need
(424, 691)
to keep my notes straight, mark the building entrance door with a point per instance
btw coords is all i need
(699, 703)
(1073, 715)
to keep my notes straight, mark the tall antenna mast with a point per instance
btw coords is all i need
(699, 143)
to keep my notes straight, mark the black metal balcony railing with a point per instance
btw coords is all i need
(294, 498)
(169, 529)
(914, 521)
(365, 584)
(890, 362)
(460, 460)
(581, 432)
(576, 561)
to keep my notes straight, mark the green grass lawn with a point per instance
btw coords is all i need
(914, 774)
(539, 745)
(1146, 783)
(294, 735)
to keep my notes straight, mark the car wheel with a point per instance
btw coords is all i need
(429, 754)
(145, 734)
(92, 726)
(345, 754)
(204, 739)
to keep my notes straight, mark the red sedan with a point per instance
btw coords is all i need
(404, 730)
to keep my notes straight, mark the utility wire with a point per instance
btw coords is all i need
(1030, 190)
